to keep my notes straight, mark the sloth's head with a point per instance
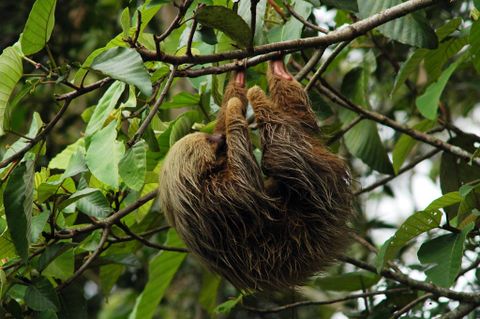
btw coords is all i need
(189, 161)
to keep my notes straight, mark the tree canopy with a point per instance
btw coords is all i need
(94, 93)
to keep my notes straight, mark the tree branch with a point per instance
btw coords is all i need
(324, 302)
(343, 34)
(305, 21)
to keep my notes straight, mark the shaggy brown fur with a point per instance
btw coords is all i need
(260, 232)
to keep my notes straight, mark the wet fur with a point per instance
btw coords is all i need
(270, 231)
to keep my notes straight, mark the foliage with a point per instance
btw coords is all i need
(93, 95)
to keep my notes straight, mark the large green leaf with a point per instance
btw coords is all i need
(103, 155)
(183, 99)
(124, 64)
(412, 29)
(104, 107)
(351, 281)
(94, 204)
(133, 166)
(209, 291)
(227, 21)
(408, 67)
(436, 59)
(18, 201)
(445, 254)
(406, 143)
(11, 70)
(363, 140)
(161, 270)
(415, 225)
(62, 159)
(39, 26)
(41, 296)
(427, 103)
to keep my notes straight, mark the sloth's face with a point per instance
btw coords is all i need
(195, 154)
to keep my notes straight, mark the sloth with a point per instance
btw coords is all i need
(268, 226)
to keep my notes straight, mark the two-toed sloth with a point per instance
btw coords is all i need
(268, 227)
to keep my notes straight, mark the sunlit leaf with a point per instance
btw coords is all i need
(126, 65)
(103, 155)
(227, 306)
(183, 99)
(39, 26)
(105, 106)
(11, 70)
(133, 166)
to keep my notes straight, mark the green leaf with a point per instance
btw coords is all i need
(41, 296)
(62, 267)
(133, 166)
(76, 197)
(405, 144)
(445, 254)
(183, 99)
(38, 224)
(427, 103)
(209, 291)
(162, 268)
(227, 306)
(436, 59)
(415, 225)
(476, 3)
(182, 126)
(445, 201)
(103, 155)
(227, 21)
(412, 29)
(109, 275)
(95, 205)
(73, 304)
(125, 21)
(352, 281)
(408, 67)
(124, 64)
(349, 5)
(11, 70)
(18, 200)
(448, 28)
(474, 39)
(39, 26)
(62, 159)
(293, 28)
(105, 106)
(363, 139)
(7, 248)
(76, 165)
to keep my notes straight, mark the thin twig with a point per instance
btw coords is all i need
(40, 136)
(147, 242)
(344, 130)
(90, 259)
(411, 305)
(176, 21)
(316, 56)
(305, 21)
(153, 110)
(461, 311)
(326, 89)
(324, 302)
(139, 26)
(325, 64)
(415, 284)
(404, 169)
(84, 89)
(190, 37)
